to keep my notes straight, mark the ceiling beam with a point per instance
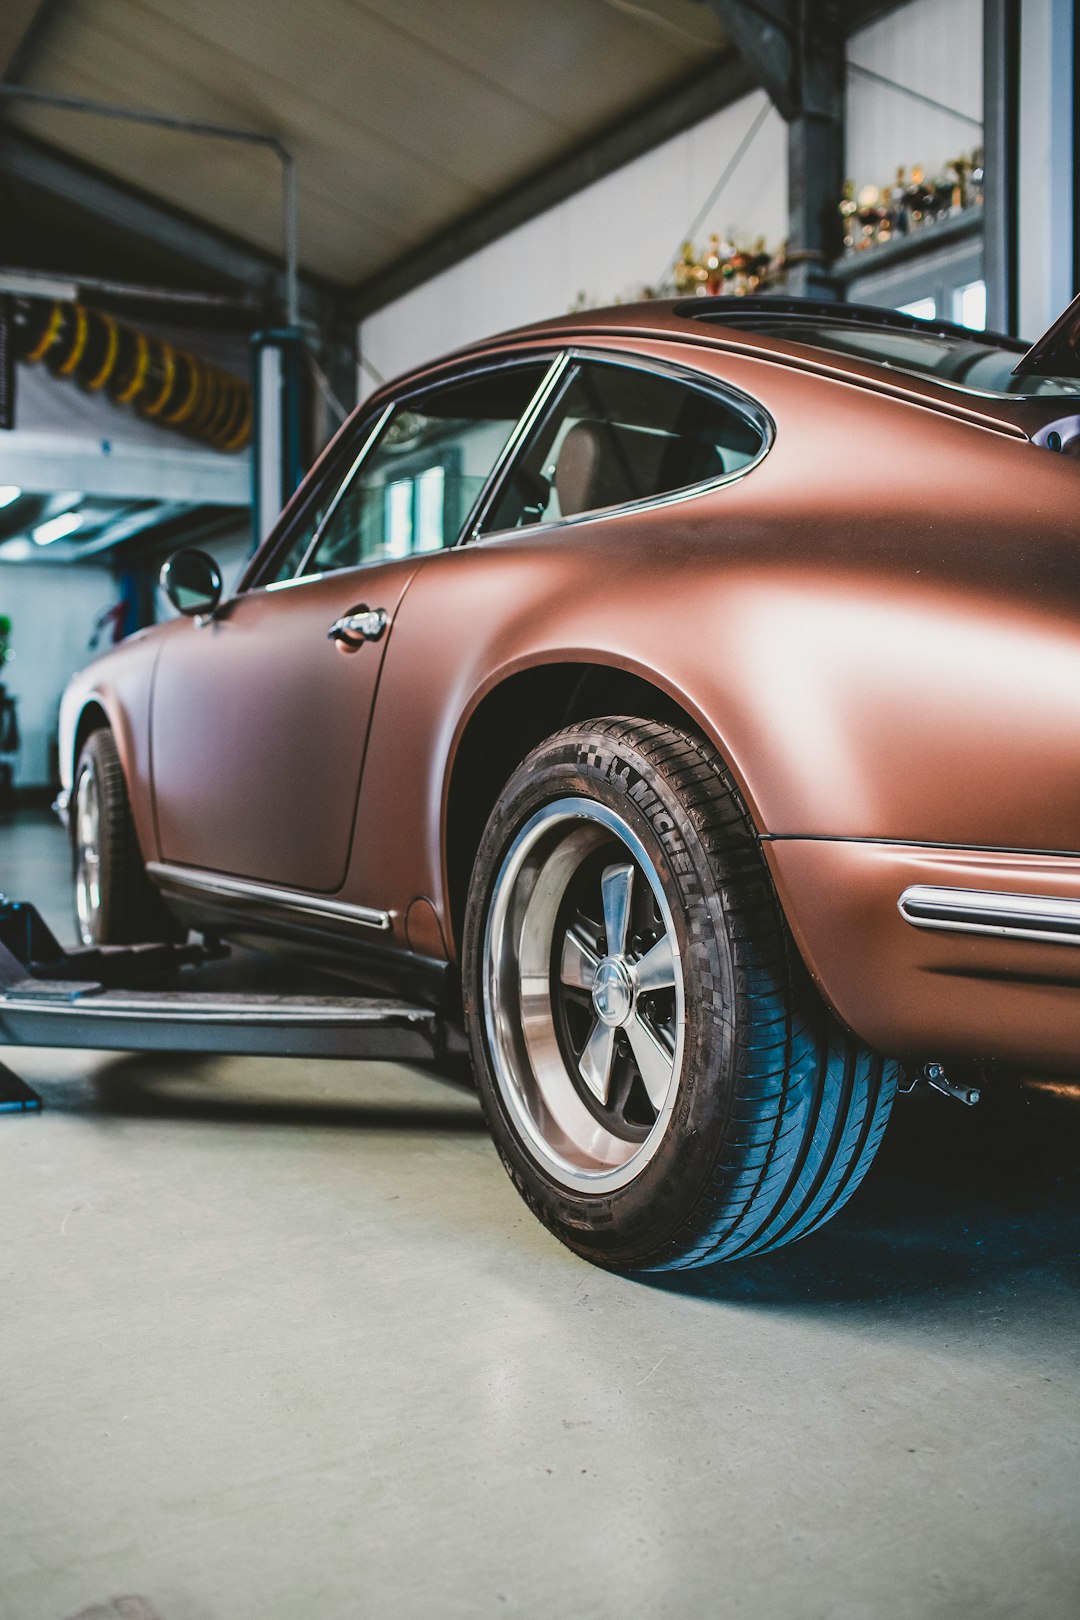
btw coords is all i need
(725, 79)
(23, 28)
(765, 35)
(795, 48)
(228, 260)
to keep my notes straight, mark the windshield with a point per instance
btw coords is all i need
(949, 355)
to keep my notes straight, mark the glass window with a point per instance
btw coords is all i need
(924, 309)
(959, 359)
(417, 484)
(969, 305)
(618, 434)
(310, 520)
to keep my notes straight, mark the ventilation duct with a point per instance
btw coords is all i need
(165, 384)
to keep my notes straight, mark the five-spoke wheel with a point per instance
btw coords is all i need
(114, 901)
(86, 839)
(661, 1078)
(585, 993)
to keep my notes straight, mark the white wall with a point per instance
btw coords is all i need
(935, 47)
(52, 609)
(607, 241)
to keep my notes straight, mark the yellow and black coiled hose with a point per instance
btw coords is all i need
(166, 384)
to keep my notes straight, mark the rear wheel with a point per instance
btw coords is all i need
(662, 1081)
(115, 902)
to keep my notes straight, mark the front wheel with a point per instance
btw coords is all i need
(115, 902)
(663, 1083)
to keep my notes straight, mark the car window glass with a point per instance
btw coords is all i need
(975, 361)
(618, 434)
(288, 564)
(418, 483)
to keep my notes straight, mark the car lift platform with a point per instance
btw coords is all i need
(111, 997)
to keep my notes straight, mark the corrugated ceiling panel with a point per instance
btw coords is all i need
(403, 115)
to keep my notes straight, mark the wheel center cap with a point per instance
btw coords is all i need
(613, 992)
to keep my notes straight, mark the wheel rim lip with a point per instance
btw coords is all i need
(520, 1093)
(87, 824)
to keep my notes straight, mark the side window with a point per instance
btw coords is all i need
(288, 564)
(417, 484)
(617, 434)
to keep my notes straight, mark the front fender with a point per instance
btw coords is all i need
(118, 686)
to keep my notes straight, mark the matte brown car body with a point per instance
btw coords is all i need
(877, 627)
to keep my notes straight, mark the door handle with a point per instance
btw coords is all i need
(350, 632)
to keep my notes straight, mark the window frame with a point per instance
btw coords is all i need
(362, 439)
(752, 411)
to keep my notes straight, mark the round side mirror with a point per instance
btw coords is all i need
(192, 582)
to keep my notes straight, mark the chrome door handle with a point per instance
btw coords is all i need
(350, 632)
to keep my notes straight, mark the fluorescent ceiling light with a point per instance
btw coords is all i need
(35, 286)
(18, 550)
(9, 493)
(56, 528)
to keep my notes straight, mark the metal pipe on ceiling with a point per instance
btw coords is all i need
(192, 126)
(61, 284)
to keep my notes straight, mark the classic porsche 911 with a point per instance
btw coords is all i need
(686, 698)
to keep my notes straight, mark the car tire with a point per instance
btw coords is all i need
(699, 1102)
(115, 902)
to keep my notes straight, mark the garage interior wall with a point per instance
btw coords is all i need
(612, 238)
(61, 605)
(53, 605)
(934, 47)
(604, 243)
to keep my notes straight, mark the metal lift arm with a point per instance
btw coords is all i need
(121, 998)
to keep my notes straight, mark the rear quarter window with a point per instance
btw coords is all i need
(617, 434)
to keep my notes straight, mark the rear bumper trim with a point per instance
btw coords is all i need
(1045, 918)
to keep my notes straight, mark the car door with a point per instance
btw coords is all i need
(260, 717)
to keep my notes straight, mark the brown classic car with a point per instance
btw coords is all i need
(686, 697)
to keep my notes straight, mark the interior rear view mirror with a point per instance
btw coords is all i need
(192, 582)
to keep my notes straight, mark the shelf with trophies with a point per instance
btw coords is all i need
(882, 226)
(725, 267)
(913, 214)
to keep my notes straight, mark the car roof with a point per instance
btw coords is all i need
(713, 323)
(735, 310)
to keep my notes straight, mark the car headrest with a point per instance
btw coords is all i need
(604, 464)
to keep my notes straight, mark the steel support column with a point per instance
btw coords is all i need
(1076, 158)
(1001, 118)
(795, 49)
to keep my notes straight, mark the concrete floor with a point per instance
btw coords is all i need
(279, 1340)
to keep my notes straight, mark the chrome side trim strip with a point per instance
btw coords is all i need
(293, 1012)
(1047, 918)
(310, 905)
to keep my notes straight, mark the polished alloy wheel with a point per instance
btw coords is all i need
(584, 1006)
(88, 857)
